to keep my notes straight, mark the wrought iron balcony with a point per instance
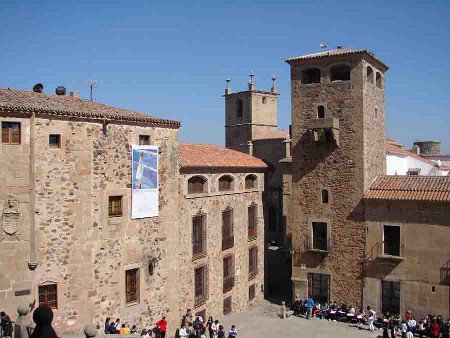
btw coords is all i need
(227, 242)
(318, 245)
(228, 283)
(445, 273)
(389, 251)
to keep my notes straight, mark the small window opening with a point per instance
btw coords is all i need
(252, 262)
(251, 182)
(239, 108)
(11, 132)
(325, 198)
(227, 229)
(264, 100)
(201, 285)
(132, 286)
(48, 295)
(198, 236)
(252, 292)
(197, 185)
(321, 112)
(379, 80)
(340, 73)
(144, 140)
(228, 273)
(227, 305)
(370, 75)
(115, 206)
(391, 240)
(311, 75)
(252, 221)
(226, 183)
(413, 172)
(54, 140)
(433, 289)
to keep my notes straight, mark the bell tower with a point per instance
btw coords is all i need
(339, 147)
(249, 115)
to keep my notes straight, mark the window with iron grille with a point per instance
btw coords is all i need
(226, 183)
(11, 132)
(227, 229)
(144, 140)
(227, 305)
(115, 206)
(48, 295)
(54, 140)
(228, 273)
(320, 237)
(198, 236)
(252, 292)
(319, 287)
(252, 221)
(197, 185)
(252, 262)
(250, 182)
(132, 285)
(201, 285)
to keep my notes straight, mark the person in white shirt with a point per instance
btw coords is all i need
(183, 333)
(409, 334)
(371, 318)
(412, 323)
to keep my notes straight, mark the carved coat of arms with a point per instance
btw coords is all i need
(11, 215)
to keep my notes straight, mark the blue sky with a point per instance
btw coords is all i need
(170, 58)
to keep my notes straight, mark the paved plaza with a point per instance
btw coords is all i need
(262, 321)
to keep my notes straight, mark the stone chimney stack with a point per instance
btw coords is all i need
(228, 88)
(274, 89)
(250, 147)
(287, 147)
(251, 83)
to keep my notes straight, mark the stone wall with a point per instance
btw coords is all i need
(425, 236)
(341, 169)
(212, 204)
(79, 247)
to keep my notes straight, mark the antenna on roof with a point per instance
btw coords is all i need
(92, 85)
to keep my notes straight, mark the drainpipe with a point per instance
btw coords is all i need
(32, 264)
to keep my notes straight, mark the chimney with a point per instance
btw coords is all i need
(251, 84)
(228, 88)
(75, 95)
(287, 147)
(250, 147)
(274, 86)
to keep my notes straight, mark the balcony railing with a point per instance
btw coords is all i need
(252, 233)
(387, 251)
(228, 283)
(227, 242)
(445, 273)
(319, 245)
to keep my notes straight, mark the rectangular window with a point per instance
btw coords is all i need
(115, 206)
(227, 305)
(252, 292)
(413, 172)
(54, 140)
(11, 132)
(320, 240)
(228, 273)
(390, 299)
(252, 221)
(132, 285)
(48, 295)
(201, 285)
(198, 236)
(144, 140)
(319, 287)
(252, 262)
(391, 240)
(227, 229)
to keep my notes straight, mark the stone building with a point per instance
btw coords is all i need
(221, 233)
(68, 239)
(251, 126)
(343, 233)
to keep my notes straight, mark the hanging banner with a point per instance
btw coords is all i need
(144, 199)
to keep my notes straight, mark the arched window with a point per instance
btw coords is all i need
(325, 197)
(321, 112)
(340, 73)
(197, 185)
(311, 75)
(379, 80)
(226, 183)
(239, 108)
(251, 181)
(264, 100)
(370, 74)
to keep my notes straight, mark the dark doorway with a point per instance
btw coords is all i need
(319, 287)
(390, 299)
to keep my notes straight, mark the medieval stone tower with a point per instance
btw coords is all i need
(338, 140)
(249, 115)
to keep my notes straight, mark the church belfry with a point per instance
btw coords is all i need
(249, 115)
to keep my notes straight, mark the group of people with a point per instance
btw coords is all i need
(196, 328)
(431, 326)
(115, 327)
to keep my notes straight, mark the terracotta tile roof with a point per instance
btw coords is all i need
(336, 52)
(414, 188)
(207, 156)
(392, 148)
(25, 102)
(281, 134)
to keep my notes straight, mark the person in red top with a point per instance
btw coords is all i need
(408, 315)
(162, 324)
(435, 330)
